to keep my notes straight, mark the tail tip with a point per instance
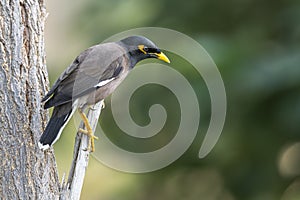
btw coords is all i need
(43, 147)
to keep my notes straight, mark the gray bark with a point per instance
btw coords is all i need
(25, 171)
(72, 189)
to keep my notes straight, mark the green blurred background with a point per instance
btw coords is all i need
(256, 46)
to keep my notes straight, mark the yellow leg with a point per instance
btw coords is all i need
(88, 130)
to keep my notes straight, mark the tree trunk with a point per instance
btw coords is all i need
(25, 171)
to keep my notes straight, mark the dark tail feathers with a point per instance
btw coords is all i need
(60, 116)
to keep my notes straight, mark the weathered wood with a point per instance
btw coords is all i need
(25, 171)
(72, 189)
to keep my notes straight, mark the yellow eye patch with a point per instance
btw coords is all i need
(141, 48)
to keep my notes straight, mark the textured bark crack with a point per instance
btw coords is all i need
(26, 172)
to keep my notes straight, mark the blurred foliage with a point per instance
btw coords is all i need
(256, 46)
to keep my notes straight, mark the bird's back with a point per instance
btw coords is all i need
(90, 67)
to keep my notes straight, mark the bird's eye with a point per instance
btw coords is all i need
(146, 49)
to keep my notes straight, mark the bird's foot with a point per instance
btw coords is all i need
(91, 107)
(92, 137)
(88, 131)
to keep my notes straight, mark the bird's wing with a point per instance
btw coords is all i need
(71, 69)
(92, 69)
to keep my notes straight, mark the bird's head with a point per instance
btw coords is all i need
(141, 48)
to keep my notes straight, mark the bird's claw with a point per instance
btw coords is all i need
(92, 137)
(88, 133)
(91, 108)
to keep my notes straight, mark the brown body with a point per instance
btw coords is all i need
(93, 76)
(97, 64)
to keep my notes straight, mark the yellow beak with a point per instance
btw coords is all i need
(163, 57)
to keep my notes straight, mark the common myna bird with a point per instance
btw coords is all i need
(93, 76)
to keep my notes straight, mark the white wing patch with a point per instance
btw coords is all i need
(102, 83)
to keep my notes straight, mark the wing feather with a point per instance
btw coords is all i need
(96, 64)
(71, 69)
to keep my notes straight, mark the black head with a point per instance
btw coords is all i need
(140, 48)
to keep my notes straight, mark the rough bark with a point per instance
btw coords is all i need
(25, 171)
